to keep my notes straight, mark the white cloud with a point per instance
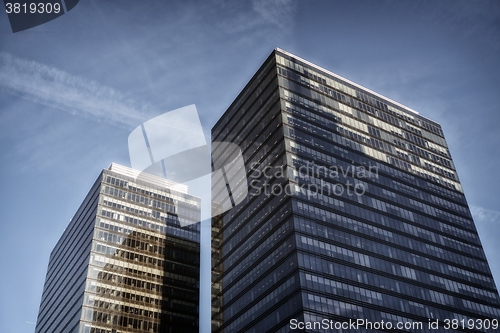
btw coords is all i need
(483, 215)
(50, 86)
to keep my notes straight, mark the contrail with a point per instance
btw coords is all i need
(50, 86)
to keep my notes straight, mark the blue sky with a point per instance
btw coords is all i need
(71, 91)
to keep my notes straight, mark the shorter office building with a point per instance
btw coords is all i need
(124, 263)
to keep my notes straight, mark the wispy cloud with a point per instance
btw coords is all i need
(484, 215)
(50, 86)
(256, 19)
(278, 12)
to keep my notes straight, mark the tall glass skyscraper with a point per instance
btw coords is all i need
(124, 264)
(355, 214)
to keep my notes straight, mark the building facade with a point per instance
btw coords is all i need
(355, 213)
(124, 264)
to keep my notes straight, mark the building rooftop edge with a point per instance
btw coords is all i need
(353, 83)
(155, 180)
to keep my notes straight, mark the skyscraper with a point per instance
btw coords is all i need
(124, 264)
(355, 214)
